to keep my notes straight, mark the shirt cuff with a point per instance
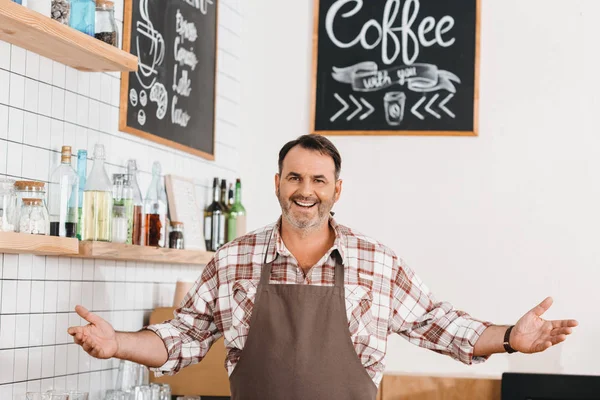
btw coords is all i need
(470, 335)
(172, 340)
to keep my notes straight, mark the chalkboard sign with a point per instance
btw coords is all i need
(170, 99)
(392, 67)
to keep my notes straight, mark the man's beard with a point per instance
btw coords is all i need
(304, 222)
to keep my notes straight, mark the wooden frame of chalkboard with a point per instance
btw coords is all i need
(350, 106)
(124, 104)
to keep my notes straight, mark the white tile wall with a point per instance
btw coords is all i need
(43, 105)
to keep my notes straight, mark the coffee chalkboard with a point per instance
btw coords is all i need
(392, 67)
(170, 99)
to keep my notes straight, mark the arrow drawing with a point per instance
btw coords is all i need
(358, 108)
(443, 107)
(428, 107)
(341, 111)
(417, 105)
(369, 106)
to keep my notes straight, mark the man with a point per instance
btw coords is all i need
(306, 305)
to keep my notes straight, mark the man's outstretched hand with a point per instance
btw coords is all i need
(98, 338)
(533, 334)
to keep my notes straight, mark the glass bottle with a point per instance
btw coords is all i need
(214, 221)
(122, 223)
(155, 211)
(97, 201)
(230, 196)
(138, 203)
(223, 201)
(83, 16)
(176, 235)
(63, 199)
(106, 26)
(236, 223)
(81, 173)
(8, 206)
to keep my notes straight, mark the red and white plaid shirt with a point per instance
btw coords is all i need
(383, 296)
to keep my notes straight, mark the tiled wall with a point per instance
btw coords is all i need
(43, 105)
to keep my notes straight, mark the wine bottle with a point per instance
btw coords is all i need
(214, 221)
(236, 221)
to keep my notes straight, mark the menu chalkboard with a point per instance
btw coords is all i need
(392, 67)
(170, 99)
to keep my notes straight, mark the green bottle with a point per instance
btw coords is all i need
(236, 220)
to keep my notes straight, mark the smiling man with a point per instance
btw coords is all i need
(306, 305)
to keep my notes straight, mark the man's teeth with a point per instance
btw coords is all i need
(304, 204)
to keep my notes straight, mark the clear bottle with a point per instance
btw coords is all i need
(138, 203)
(83, 16)
(8, 206)
(214, 221)
(63, 199)
(81, 173)
(236, 222)
(155, 211)
(122, 223)
(223, 201)
(97, 201)
(106, 25)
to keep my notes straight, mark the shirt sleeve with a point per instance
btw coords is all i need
(425, 322)
(189, 336)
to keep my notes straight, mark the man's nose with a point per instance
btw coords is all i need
(306, 189)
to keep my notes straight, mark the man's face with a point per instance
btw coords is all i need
(307, 188)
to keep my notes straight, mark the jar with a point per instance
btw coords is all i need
(32, 190)
(176, 235)
(106, 26)
(83, 16)
(33, 217)
(8, 206)
(61, 11)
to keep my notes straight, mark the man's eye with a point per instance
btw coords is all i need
(294, 178)
(319, 180)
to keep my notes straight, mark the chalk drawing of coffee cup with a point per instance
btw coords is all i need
(150, 48)
(393, 103)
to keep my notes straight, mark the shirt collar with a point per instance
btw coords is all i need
(276, 246)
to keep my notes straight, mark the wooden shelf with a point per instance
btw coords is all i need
(40, 34)
(23, 243)
(127, 252)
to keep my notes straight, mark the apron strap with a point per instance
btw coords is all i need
(339, 270)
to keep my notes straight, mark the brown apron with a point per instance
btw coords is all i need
(299, 346)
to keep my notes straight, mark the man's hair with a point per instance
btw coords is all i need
(316, 143)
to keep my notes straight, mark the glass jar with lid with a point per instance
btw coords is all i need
(32, 190)
(34, 217)
(83, 16)
(106, 26)
(176, 235)
(8, 205)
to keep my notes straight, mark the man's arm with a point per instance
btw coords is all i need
(165, 347)
(430, 324)
(491, 341)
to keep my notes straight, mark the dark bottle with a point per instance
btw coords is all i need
(230, 200)
(214, 221)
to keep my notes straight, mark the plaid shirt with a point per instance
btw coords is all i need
(383, 296)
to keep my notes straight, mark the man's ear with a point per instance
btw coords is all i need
(338, 189)
(276, 182)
